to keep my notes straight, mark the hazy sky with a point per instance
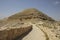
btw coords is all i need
(49, 7)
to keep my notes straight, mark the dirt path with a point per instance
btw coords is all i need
(35, 34)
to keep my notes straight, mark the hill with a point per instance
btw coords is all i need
(30, 24)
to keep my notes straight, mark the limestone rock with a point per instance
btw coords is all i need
(14, 33)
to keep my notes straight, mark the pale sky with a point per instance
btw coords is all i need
(49, 7)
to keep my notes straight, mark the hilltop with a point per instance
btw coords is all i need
(31, 14)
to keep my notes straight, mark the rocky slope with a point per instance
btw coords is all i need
(37, 24)
(30, 14)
